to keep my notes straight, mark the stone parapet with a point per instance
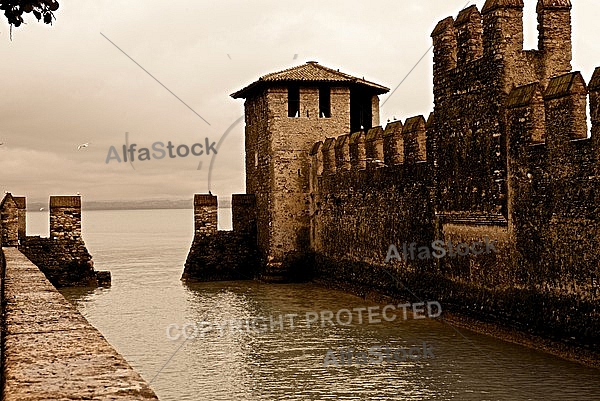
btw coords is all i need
(50, 352)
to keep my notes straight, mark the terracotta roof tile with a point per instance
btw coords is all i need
(309, 72)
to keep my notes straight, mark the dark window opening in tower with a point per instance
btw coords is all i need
(294, 101)
(361, 113)
(324, 102)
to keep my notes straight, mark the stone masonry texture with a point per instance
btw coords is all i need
(508, 158)
(65, 262)
(223, 255)
(50, 351)
(505, 154)
(278, 146)
(12, 220)
(63, 257)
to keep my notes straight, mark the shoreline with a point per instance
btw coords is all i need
(573, 353)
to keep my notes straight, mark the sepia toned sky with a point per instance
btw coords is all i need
(67, 84)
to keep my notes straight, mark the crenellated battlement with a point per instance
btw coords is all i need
(358, 151)
(594, 95)
(374, 148)
(555, 114)
(554, 121)
(378, 148)
(469, 35)
(504, 155)
(494, 37)
(223, 255)
(63, 256)
(413, 134)
(393, 143)
(558, 112)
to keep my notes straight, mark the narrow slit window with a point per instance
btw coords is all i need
(324, 103)
(293, 101)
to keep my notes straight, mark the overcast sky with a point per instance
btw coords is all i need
(65, 85)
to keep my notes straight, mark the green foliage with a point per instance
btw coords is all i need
(41, 9)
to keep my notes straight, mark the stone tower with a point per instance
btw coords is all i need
(286, 112)
(478, 59)
(554, 40)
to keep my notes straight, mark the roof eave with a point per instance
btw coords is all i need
(243, 93)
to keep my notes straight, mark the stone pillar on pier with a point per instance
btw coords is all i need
(21, 217)
(65, 217)
(205, 214)
(9, 216)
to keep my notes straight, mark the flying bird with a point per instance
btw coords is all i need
(83, 145)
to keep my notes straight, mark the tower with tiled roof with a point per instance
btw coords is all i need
(286, 112)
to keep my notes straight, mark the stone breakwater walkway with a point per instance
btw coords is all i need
(51, 352)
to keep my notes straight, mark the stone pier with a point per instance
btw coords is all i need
(50, 352)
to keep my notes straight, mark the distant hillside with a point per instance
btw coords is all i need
(134, 204)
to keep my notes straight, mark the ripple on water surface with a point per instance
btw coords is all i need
(145, 252)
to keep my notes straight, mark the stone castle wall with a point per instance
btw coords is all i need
(358, 210)
(223, 255)
(63, 256)
(555, 182)
(64, 262)
(21, 202)
(478, 58)
(504, 155)
(258, 165)
(292, 139)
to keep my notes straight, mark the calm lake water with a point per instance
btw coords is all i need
(145, 251)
